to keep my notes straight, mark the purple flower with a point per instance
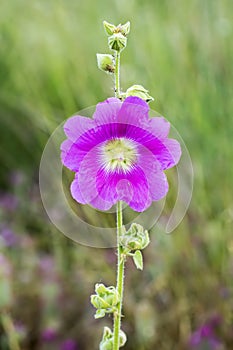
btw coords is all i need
(49, 335)
(8, 202)
(69, 344)
(120, 154)
(205, 336)
(8, 237)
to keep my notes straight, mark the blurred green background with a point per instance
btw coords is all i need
(182, 52)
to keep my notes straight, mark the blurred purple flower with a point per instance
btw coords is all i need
(17, 177)
(49, 335)
(205, 336)
(47, 267)
(7, 237)
(8, 201)
(69, 344)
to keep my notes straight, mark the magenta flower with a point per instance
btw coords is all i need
(120, 154)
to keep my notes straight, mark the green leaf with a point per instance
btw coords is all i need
(100, 313)
(138, 260)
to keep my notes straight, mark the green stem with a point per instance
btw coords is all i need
(120, 279)
(9, 329)
(117, 75)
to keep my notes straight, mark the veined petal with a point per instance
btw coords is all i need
(159, 127)
(152, 168)
(76, 192)
(71, 155)
(131, 187)
(134, 111)
(174, 149)
(106, 112)
(75, 126)
(96, 202)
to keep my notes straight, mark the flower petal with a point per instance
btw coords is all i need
(172, 155)
(76, 192)
(131, 187)
(159, 127)
(134, 111)
(71, 155)
(157, 180)
(97, 202)
(106, 112)
(75, 126)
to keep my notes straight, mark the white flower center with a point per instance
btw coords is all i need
(119, 154)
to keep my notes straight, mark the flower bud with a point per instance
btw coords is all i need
(139, 91)
(117, 42)
(135, 238)
(106, 63)
(105, 299)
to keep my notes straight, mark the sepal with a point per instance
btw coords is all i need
(139, 91)
(117, 42)
(138, 259)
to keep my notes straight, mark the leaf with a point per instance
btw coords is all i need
(138, 259)
(100, 313)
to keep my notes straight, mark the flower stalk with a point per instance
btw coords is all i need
(120, 278)
(117, 75)
(120, 159)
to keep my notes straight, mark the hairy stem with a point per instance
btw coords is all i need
(120, 279)
(117, 75)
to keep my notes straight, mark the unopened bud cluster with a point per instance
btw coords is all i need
(117, 39)
(105, 300)
(134, 240)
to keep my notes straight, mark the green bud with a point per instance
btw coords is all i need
(106, 63)
(105, 299)
(139, 91)
(135, 238)
(122, 338)
(109, 28)
(117, 42)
